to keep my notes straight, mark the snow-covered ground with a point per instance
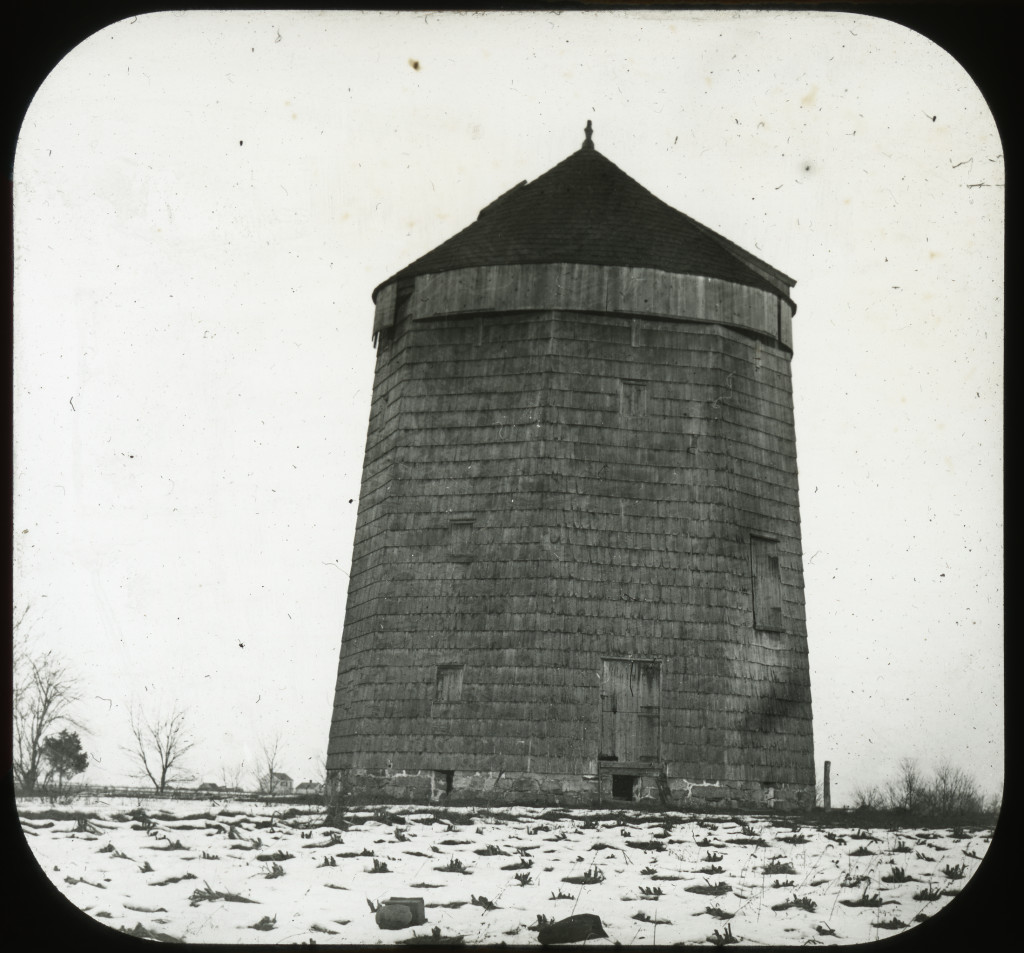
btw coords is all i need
(236, 872)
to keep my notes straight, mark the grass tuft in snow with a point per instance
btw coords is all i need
(717, 912)
(454, 866)
(205, 893)
(864, 900)
(778, 867)
(592, 876)
(146, 934)
(709, 889)
(802, 903)
(173, 880)
(897, 876)
(955, 872)
(893, 924)
(723, 939)
(647, 918)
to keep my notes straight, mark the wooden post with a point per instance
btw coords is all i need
(826, 794)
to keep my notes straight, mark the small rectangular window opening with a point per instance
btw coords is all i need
(766, 584)
(448, 683)
(460, 539)
(633, 398)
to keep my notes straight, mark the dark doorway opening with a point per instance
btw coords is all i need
(444, 781)
(623, 786)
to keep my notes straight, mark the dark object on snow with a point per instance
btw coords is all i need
(435, 939)
(415, 905)
(397, 913)
(647, 844)
(393, 916)
(575, 929)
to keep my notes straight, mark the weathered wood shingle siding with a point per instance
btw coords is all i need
(595, 535)
(581, 417)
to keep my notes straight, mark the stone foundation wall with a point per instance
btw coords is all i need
(749, 795)
(498, 788)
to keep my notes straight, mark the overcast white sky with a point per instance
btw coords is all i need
(204, 202)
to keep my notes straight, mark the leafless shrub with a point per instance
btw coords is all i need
(906, 791)
(953, 791)
(869, 798)
(231, 775)
(947, 792)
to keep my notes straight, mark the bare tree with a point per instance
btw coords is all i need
(906, 791)
(954, 791)
(159, 744)
(44, 690)
(231, 774)
(869, 798)
(267, 764)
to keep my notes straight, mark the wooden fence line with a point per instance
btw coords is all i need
(186, 794)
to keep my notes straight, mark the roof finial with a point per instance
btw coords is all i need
(588, 131)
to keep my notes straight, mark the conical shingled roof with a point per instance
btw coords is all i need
(586, 210)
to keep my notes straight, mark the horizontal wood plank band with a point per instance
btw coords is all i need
(592, 288)
(384, 313)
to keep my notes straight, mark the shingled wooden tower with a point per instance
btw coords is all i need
(577, 574)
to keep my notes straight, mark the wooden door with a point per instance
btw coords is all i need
(630, 710)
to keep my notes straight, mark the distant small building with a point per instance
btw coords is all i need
(280, 783)
(209, 786)
(310, 787)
